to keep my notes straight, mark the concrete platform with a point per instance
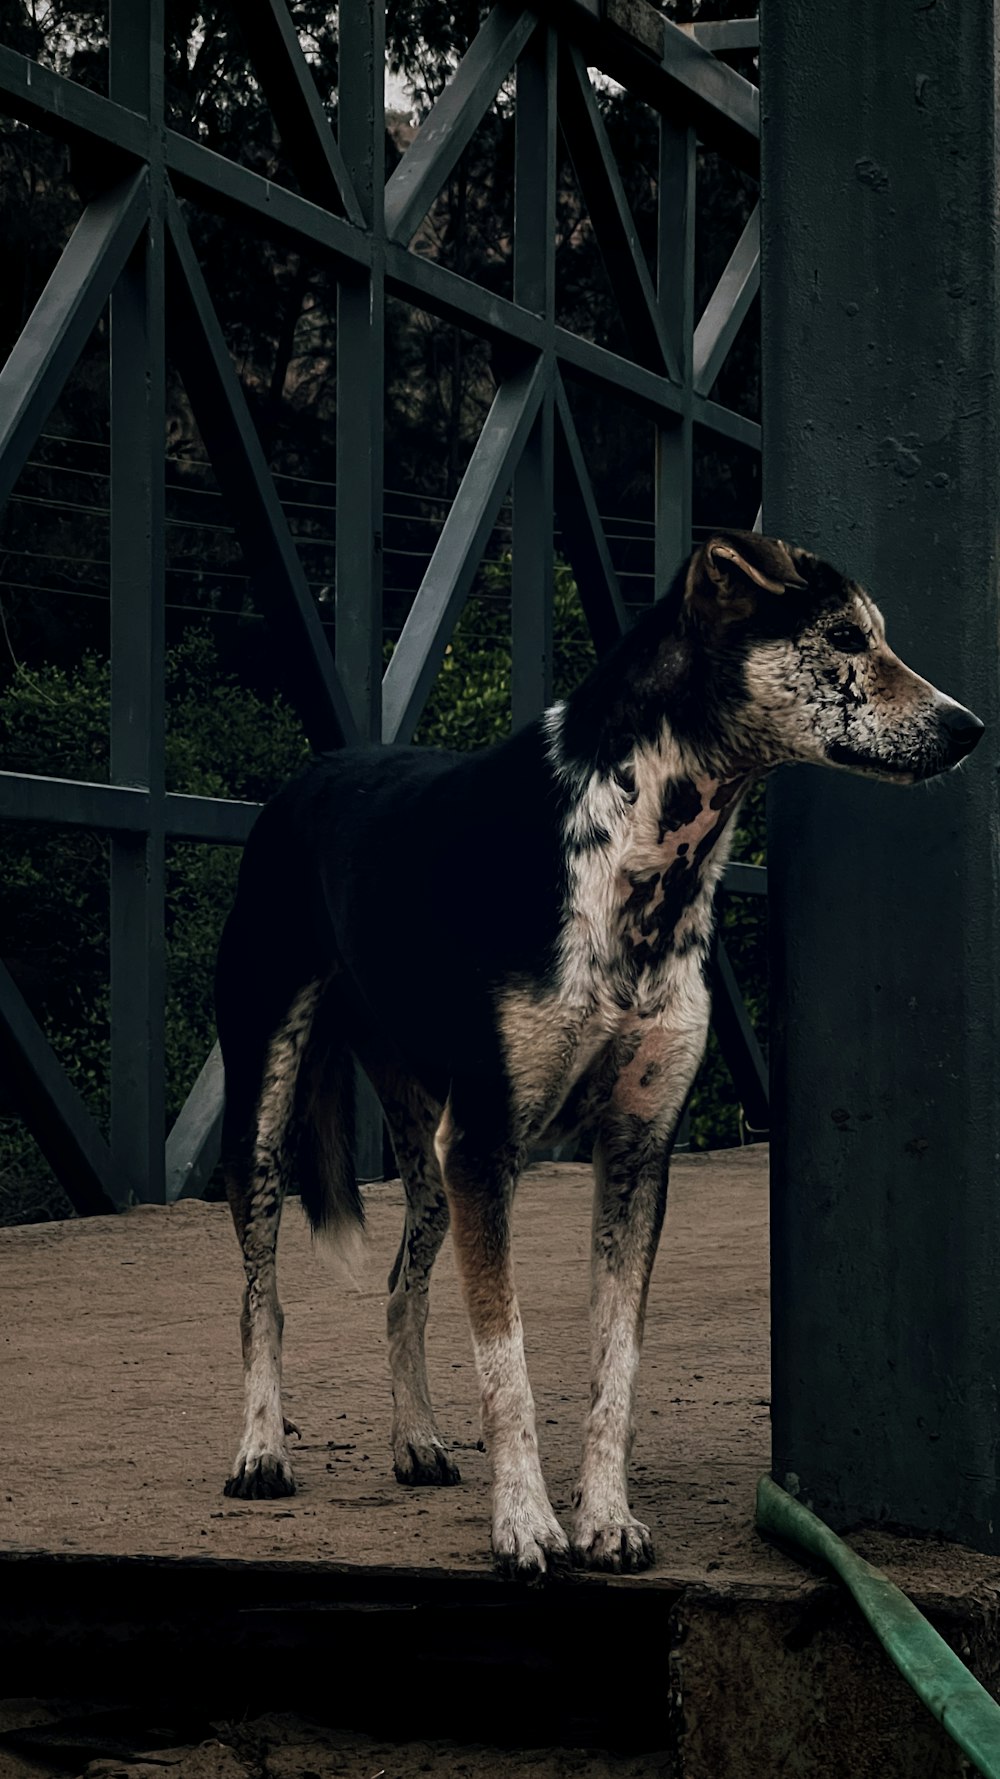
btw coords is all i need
(120, 1381)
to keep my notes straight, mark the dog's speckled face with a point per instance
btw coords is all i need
(820, 680)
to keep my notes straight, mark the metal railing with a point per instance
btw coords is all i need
(132, 249)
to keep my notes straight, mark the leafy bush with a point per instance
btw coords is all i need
(222, 740)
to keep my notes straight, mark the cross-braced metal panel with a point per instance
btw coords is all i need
(132, 248)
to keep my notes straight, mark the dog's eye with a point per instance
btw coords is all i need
(850, 639)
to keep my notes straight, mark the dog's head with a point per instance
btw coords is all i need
(817, 679)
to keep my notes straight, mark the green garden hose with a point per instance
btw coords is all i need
(965, 1709)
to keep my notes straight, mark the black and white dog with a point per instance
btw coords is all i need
(514, 945)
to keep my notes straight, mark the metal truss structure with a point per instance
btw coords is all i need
(132, 249)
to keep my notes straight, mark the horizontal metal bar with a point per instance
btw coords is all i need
(295, 104)
(725, 108)
(727, 422)
(453, 298)
(719, 36)
(457, 300)
(51, 1107)
(193, 1144)
(64, 316)
(745, 880)
(221, 411)
(727, 306)
(73, 113)
(122, 809)
(73, 803)
(225, 186)
(218, 819)
(594, 364)
(418, 280)
(452, 568)
(613, 224)
(455, 117)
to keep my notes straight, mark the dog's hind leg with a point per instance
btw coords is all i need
(418, 1452)
(480, 1175)
(257, 1153)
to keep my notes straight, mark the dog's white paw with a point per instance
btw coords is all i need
(260, 1474)
(619, 1543)
(528, 1542)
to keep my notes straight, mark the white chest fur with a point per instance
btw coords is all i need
(644, 850)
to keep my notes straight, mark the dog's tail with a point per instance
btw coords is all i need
(324, 1133)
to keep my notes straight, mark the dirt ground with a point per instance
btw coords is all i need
(120, 1369)
(120, 1379)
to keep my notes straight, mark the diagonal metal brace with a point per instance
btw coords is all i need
(284, 74)
(238, 460)
(193, 1143)
(741, 1052)
(614, 227)
(454, 119)
(64, 316)
(51, 1107)
(452, 568)
(582, 535)
(726, 308)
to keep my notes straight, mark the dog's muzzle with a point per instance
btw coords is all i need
(962, 731)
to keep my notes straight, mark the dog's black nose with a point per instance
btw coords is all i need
(962, 729)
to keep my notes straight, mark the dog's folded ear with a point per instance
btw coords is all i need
(728, 568)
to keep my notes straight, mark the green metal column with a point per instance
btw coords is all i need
(360, 430)
(880, 318)
(138, 443)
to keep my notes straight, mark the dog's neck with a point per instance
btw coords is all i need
(658, 803)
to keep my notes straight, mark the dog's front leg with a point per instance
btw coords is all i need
(479, 1178)
(631, 1159)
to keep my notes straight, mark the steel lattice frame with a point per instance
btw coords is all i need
(132, 248)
